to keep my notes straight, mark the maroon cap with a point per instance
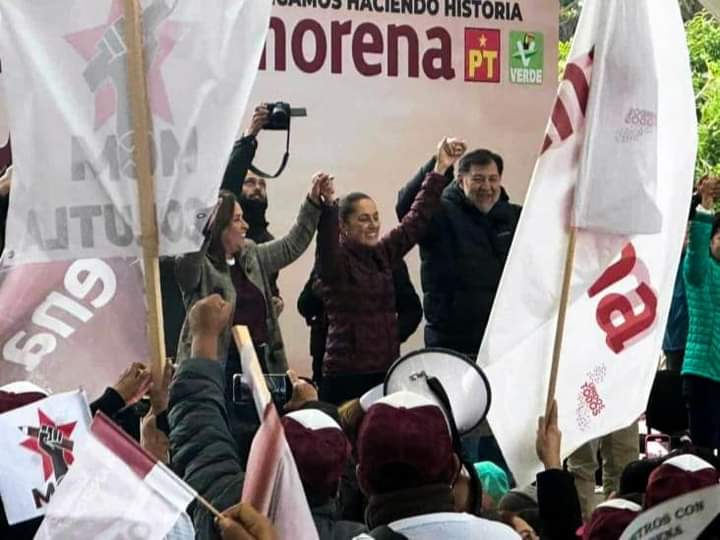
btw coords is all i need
(403, 442)
(610, 519)
(11, 400)
(320, 448)
(677, 476)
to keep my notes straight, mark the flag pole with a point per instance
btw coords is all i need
(560, 325)
(142, 126)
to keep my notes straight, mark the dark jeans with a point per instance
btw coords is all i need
(337, 389)
(675, 360)
(702, 397)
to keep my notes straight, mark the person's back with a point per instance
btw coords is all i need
(464, 252)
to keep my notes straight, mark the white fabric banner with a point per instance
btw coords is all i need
(114, 491)
(680, 518)
(65, 76)
(621, 127)
(272, 482)
(38, 446)
(621, 285)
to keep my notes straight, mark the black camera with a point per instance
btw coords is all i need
(280, 114)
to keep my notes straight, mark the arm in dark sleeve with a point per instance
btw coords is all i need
(109, 403)
(558, 504)
(328, 245)
(407, 195)
(309, 304)
(407, 303)
(203, 451)
(415, 224)
(240, 159)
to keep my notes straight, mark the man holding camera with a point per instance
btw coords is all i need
(251, 189)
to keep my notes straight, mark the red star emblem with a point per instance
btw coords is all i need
(31, 443)
(86, 44)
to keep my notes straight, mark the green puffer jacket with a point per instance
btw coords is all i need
(702, 285)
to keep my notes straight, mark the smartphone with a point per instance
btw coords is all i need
(657, 445)
(278, 384)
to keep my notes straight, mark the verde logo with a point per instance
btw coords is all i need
(527, 60)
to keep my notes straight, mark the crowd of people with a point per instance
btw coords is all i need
(393, 466)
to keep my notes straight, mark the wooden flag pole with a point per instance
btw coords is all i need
(142, 126)
(562, 311)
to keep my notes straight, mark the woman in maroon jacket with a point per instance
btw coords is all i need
(354, 266)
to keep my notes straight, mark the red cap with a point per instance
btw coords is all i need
(320, 449)
(403, 442)
(610, 519)
(12, 400)
(677, 476)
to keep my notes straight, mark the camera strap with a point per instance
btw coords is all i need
(284, 162)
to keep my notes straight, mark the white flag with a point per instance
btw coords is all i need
(65, 76)
(621, 285)
(38, 446)
(272, 482)
(115, 490)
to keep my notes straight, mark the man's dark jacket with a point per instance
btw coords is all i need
(203, 452)
(463, 255)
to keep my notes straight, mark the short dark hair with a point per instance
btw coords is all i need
(347, 204)
(480, 157)
(223, 218)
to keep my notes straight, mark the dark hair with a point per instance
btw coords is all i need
(635, 475)
(223, 217)
(347, 204)
(480, 157)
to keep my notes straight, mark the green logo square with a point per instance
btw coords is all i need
(527, 57)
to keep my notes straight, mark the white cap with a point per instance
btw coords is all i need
(313, 419)
(22, 387)
(464, 383)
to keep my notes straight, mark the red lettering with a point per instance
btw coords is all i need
(394, 35)
(616, 271)
(279, 44)
(360, 47)
(615, 305)
(337, 31)
(443, 54)
(633, 324)
(298, 51)
(367, 40)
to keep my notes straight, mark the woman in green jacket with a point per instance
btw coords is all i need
(701, 367)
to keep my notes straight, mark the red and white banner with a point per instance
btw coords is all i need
(70, 324)
(115, 490)
(621, 284)
(38, 445)
(65, 77)
(272, 483)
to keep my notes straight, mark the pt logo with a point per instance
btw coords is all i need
(527, 51)
(482, 55)
(53, 443)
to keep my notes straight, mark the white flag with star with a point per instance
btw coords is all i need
(65, 77)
